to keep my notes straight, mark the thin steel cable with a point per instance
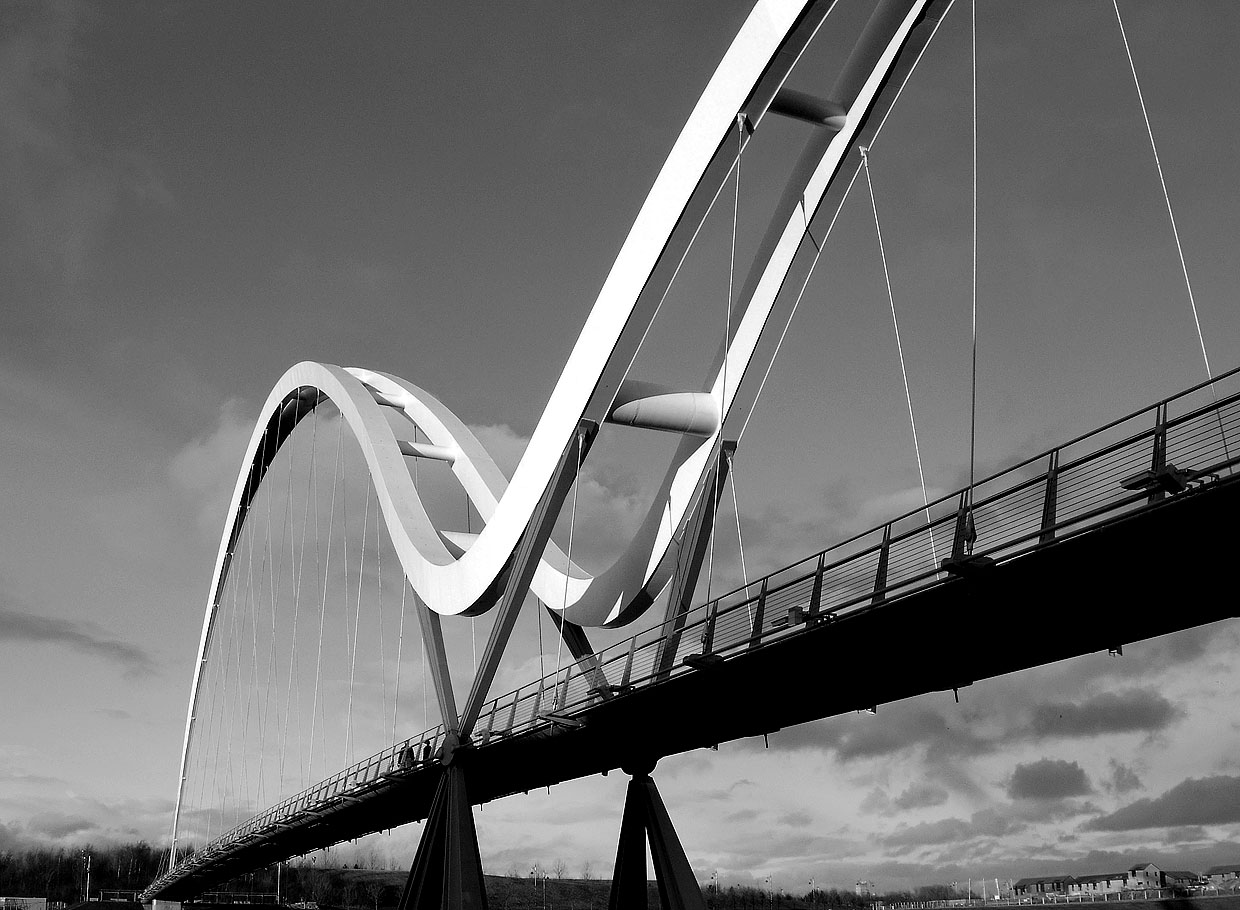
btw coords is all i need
(264, 707)
(292, 558)
(740, 541)
(908, 396)
(357, 634)
(1175, 231)
(318, 670)
(299, 576)
(572, 528)
(400, 647)
(973, 381)
(727, 341)
(473, 631)
(250, 612)
(820, 245)
(379, 598)
(1166, 195)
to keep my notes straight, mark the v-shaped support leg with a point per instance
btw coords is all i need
(447, 869)
(645, 818)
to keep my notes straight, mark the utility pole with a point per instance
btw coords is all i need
(86, 896)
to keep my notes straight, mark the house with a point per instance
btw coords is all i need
(1102, 883)
(1223, 875)
(1143, 875)
(1048, 884)
(1178, 878)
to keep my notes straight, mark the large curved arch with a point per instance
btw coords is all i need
(465, 580)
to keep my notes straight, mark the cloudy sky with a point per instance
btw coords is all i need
(195, 196)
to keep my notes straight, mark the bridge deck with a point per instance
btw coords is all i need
(1130, 515)
(1099, 585)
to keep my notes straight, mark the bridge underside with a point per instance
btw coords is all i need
(1159, 571)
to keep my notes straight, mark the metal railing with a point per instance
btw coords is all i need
(1130, 464)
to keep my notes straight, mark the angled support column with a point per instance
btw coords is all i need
(645, 818)
(447, 869)
(689, 565)
(521, 570)
(437, 657)
(583, 653)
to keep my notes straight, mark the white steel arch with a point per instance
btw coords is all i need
(466, 579)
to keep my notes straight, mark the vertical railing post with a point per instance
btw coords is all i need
(1158, 463)
(815, 598)
(708, 636)
(880, 577)
(1052, 496)
(628, 664)
(756, 631)
(512, 715)
(964, 534)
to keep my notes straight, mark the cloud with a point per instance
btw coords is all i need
(81, 637)
(1132, 710)
(894, 729)
(1048, 778)
(920, 795)
(1196, 801)
(986, 823)
(1123, 779)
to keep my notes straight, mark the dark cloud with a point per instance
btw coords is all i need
(1048, 778)
(1196, 801)
(81, 637)
(920, 795)
(796, 819)
(1132, 710)
(892, 730)
(986, 823)
(57, 826)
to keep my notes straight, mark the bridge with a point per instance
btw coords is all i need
(1051, 540)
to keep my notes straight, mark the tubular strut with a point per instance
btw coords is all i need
(447, 869)
(645, 817)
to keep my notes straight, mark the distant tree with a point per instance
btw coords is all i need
(374, 889)
(587, 871)
(559, 868)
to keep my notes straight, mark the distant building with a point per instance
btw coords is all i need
(865, 889)
(1046, 884)
(1223, 875)
(1178, 878)
(1100, 883)
(1143, 875)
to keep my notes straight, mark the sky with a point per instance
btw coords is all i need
(194, 197)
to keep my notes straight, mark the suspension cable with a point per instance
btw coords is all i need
(1162, 180)
(357, 634)
(379, 597)
(1166, 195)
(973, 379)
(908, 397)
(400, 647)
(740, 541)
(727, 340)
(819, 245)
(572, 527)
(331, 517)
